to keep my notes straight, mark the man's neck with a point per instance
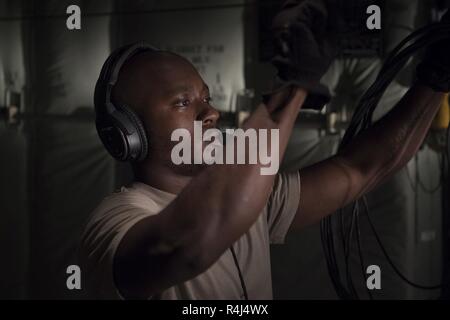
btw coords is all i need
(161, 177)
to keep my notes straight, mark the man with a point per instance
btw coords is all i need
(203, 232)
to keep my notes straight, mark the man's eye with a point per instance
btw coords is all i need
(183, 103)
(207, 100)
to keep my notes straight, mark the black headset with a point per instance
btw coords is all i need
(119, 128)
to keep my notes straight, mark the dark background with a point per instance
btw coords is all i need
(54, 171)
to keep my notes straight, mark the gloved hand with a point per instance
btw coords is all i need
(304, 48)
(434, 69)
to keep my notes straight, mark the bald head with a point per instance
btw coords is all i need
(147, 75)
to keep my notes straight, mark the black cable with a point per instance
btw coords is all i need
(361, 257)
(330, 258)
(371, 97)
(388, 258)
(241, 278)
(423, 38)
(361, 120)
(349, 279)
(342, 227)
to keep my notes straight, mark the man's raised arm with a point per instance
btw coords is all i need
(370, 159)
(381, 150)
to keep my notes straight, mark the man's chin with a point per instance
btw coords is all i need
(190, 170)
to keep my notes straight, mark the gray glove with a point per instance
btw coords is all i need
(304, 48)
(434, 69)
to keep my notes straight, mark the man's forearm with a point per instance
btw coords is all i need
(392, 141)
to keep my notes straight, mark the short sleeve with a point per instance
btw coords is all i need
(103, 233)
(282, 205)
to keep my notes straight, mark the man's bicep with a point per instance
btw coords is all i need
(145, 264)
(135, 274)
(327, 186)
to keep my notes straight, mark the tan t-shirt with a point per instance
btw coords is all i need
(118, 212)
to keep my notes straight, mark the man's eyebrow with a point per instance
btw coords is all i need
(178, 89)
(184, 88)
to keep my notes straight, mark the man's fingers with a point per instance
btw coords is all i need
(287, 97)
(286, 103)
(282, 105)
(298, 96)
(278, 98)
(295, 103)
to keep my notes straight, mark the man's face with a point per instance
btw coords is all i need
(176, 96)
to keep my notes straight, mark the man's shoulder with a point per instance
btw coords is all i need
(127, 196)
(125, 200)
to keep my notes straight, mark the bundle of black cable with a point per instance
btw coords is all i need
(434, 71)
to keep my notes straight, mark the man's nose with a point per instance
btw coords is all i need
(209, 116)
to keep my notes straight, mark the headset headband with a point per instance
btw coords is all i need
(110, 73)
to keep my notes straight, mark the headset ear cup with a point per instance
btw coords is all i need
(112, 137)
(139, 126)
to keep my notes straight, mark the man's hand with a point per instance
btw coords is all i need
(434, 70)
(304, 48)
